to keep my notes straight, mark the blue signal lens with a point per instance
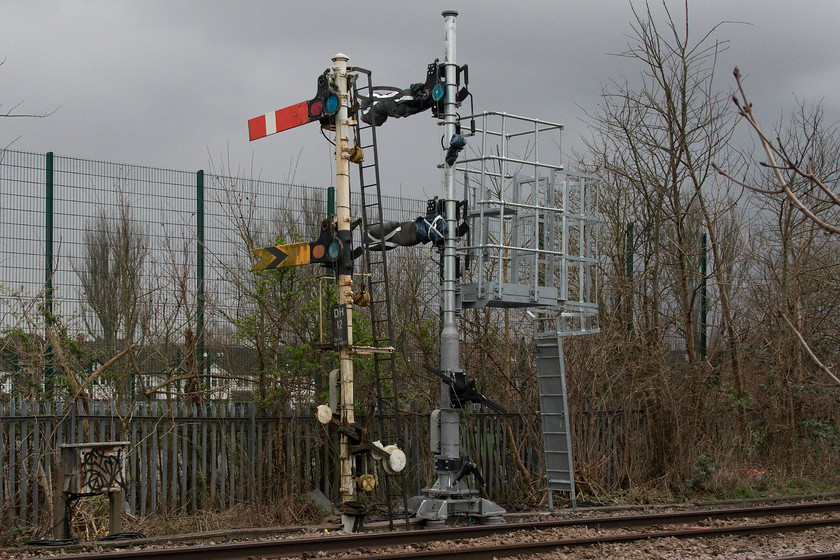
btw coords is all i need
(332, 104)
(334, 250)
(437, 92)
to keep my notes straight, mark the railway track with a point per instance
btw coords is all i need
(527, 538)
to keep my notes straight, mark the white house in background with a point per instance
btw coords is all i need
(224, 389)
(218, 384)
(5, 384)
(101, 390)
(228, 377)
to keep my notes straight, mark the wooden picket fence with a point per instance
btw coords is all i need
(214, 456)
(184, 459)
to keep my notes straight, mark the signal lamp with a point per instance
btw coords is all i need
(316, 107)
(331, 104)
(334, 250)
(325, 252)
(327, 248)
(325, 103)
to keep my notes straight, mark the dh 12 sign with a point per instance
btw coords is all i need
(340, 337)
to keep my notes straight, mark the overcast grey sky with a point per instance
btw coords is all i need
(173, 83)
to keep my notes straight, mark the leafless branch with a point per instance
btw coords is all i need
(157, 388)
(775, 150)
(109, 363)
(11, 114)
(808, 348)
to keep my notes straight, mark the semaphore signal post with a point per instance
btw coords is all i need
(334, 247)
(513, 230)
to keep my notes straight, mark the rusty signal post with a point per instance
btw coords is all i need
(333, 248)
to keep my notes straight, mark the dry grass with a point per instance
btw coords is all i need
(289, 512)
(90, 520)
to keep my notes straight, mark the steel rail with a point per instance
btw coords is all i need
(812, 556)
(527, 548)
(347, 542)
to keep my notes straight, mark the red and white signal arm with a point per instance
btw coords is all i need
(278, 121)
(323, 106)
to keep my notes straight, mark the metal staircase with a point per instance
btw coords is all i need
(554, 408)
(376, 273)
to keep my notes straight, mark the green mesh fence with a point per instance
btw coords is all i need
(116, 225)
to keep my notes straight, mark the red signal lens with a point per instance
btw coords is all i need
(316, 108)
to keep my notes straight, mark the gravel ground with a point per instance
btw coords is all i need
(735, 547)
(758, 547)
(764, 546)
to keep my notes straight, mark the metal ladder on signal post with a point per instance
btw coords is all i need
(376, 271)
(554, 407)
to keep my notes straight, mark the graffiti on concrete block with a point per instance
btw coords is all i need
(102, 469)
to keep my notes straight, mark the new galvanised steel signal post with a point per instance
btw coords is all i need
(450, 497)
(449, 338)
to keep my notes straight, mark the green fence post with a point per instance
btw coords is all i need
(629, 243)
(49, 371)
(703, 301)
(199, 266)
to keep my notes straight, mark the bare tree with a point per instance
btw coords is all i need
(112, 280)
(654, 144)
(798, 189)
(275, 313)
(654, 139)
(170, 338)
(21, 352)
(814, 195)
